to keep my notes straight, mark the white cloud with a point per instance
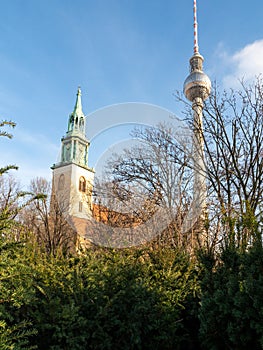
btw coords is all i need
(246, 64)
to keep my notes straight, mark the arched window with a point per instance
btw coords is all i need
(76, 123)
(71, 123)
(82, 184)
(81, 124)
(61, 182)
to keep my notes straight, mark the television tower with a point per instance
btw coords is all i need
(197, 88)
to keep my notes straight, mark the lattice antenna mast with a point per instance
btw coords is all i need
(196, 47)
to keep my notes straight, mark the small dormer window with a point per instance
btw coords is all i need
(82, 184)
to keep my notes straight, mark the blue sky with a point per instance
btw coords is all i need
(117, 51)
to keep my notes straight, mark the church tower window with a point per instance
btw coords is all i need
(82, 184)
(71, 123)
(81, 125)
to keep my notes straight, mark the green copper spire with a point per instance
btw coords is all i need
(77, 120)
(75, 145)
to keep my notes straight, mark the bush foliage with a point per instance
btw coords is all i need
(103, 300)
(131, 299)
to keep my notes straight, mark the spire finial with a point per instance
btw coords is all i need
(196, 48)
(78, 105)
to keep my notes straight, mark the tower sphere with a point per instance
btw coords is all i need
(197, 84)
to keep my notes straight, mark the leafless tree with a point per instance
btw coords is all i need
(149, 176)
(13, 201)
(162, 169)
(233, 145)
(46, 219)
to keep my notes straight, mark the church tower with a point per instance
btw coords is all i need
(72, 178)
(197, 88)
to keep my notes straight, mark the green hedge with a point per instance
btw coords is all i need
(130, 299)
(106, 300)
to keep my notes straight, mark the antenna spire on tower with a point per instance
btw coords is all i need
(196, 48)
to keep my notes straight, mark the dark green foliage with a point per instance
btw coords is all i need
(137, 299)
(15, 293)
(231, 311)
(15, 337)
(104, 300)
(116, 300)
